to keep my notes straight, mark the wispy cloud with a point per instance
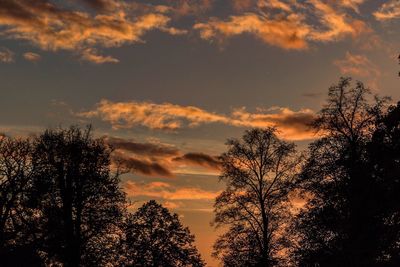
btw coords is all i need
(388, 11)
(199, 159)
(168, 192)
(6, 55)
(353, 4)
(291, 124)
(33, 57)
(338, 24)
(141, 165)
(358, 65)
(288, 33)
(291, 27)
(86, 27)
(158, 159)
(148, 149)
(90, 54)
(53, 26)
(165, 116)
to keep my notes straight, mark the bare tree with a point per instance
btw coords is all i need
(16, 235)
(259, 171)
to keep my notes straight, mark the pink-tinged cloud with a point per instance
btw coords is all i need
(293, 125)
(389, 10)
(167, 192)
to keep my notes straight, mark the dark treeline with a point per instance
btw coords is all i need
(60, 205)
(335, 204)
(349, 179)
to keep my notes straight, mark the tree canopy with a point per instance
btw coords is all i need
(340, 225)
(155, 237)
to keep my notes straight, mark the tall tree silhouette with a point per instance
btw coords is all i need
(384, 157)
(154, 237)
(78, 200)
(338, 227)
(17, 234)
(259, 171)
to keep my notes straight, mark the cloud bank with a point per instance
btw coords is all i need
(293, 125)
(68, 26)
(87, 27)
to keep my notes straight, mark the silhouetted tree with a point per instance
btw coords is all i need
(17, 231)
(339, 225)
(384, 158)
(154, 237)
(259, 171)
(78, 200)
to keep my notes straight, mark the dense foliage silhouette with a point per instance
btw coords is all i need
(155, 237)
(343, 223)
(78, 199)
(61, 205)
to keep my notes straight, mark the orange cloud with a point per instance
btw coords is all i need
(292, 125)
(353, 4)
(6, 55)
(33, 57)
(338, 24)
(289, 32)
(389, 10)
(358, 65)
(167, 191)
(52, 26)
(154, 116)
(290, 28)
(275, 4)
(91, 55)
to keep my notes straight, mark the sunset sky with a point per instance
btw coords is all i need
(167, 82)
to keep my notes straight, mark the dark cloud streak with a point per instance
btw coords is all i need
(148, 149)
(199, 159)
(141, 166)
